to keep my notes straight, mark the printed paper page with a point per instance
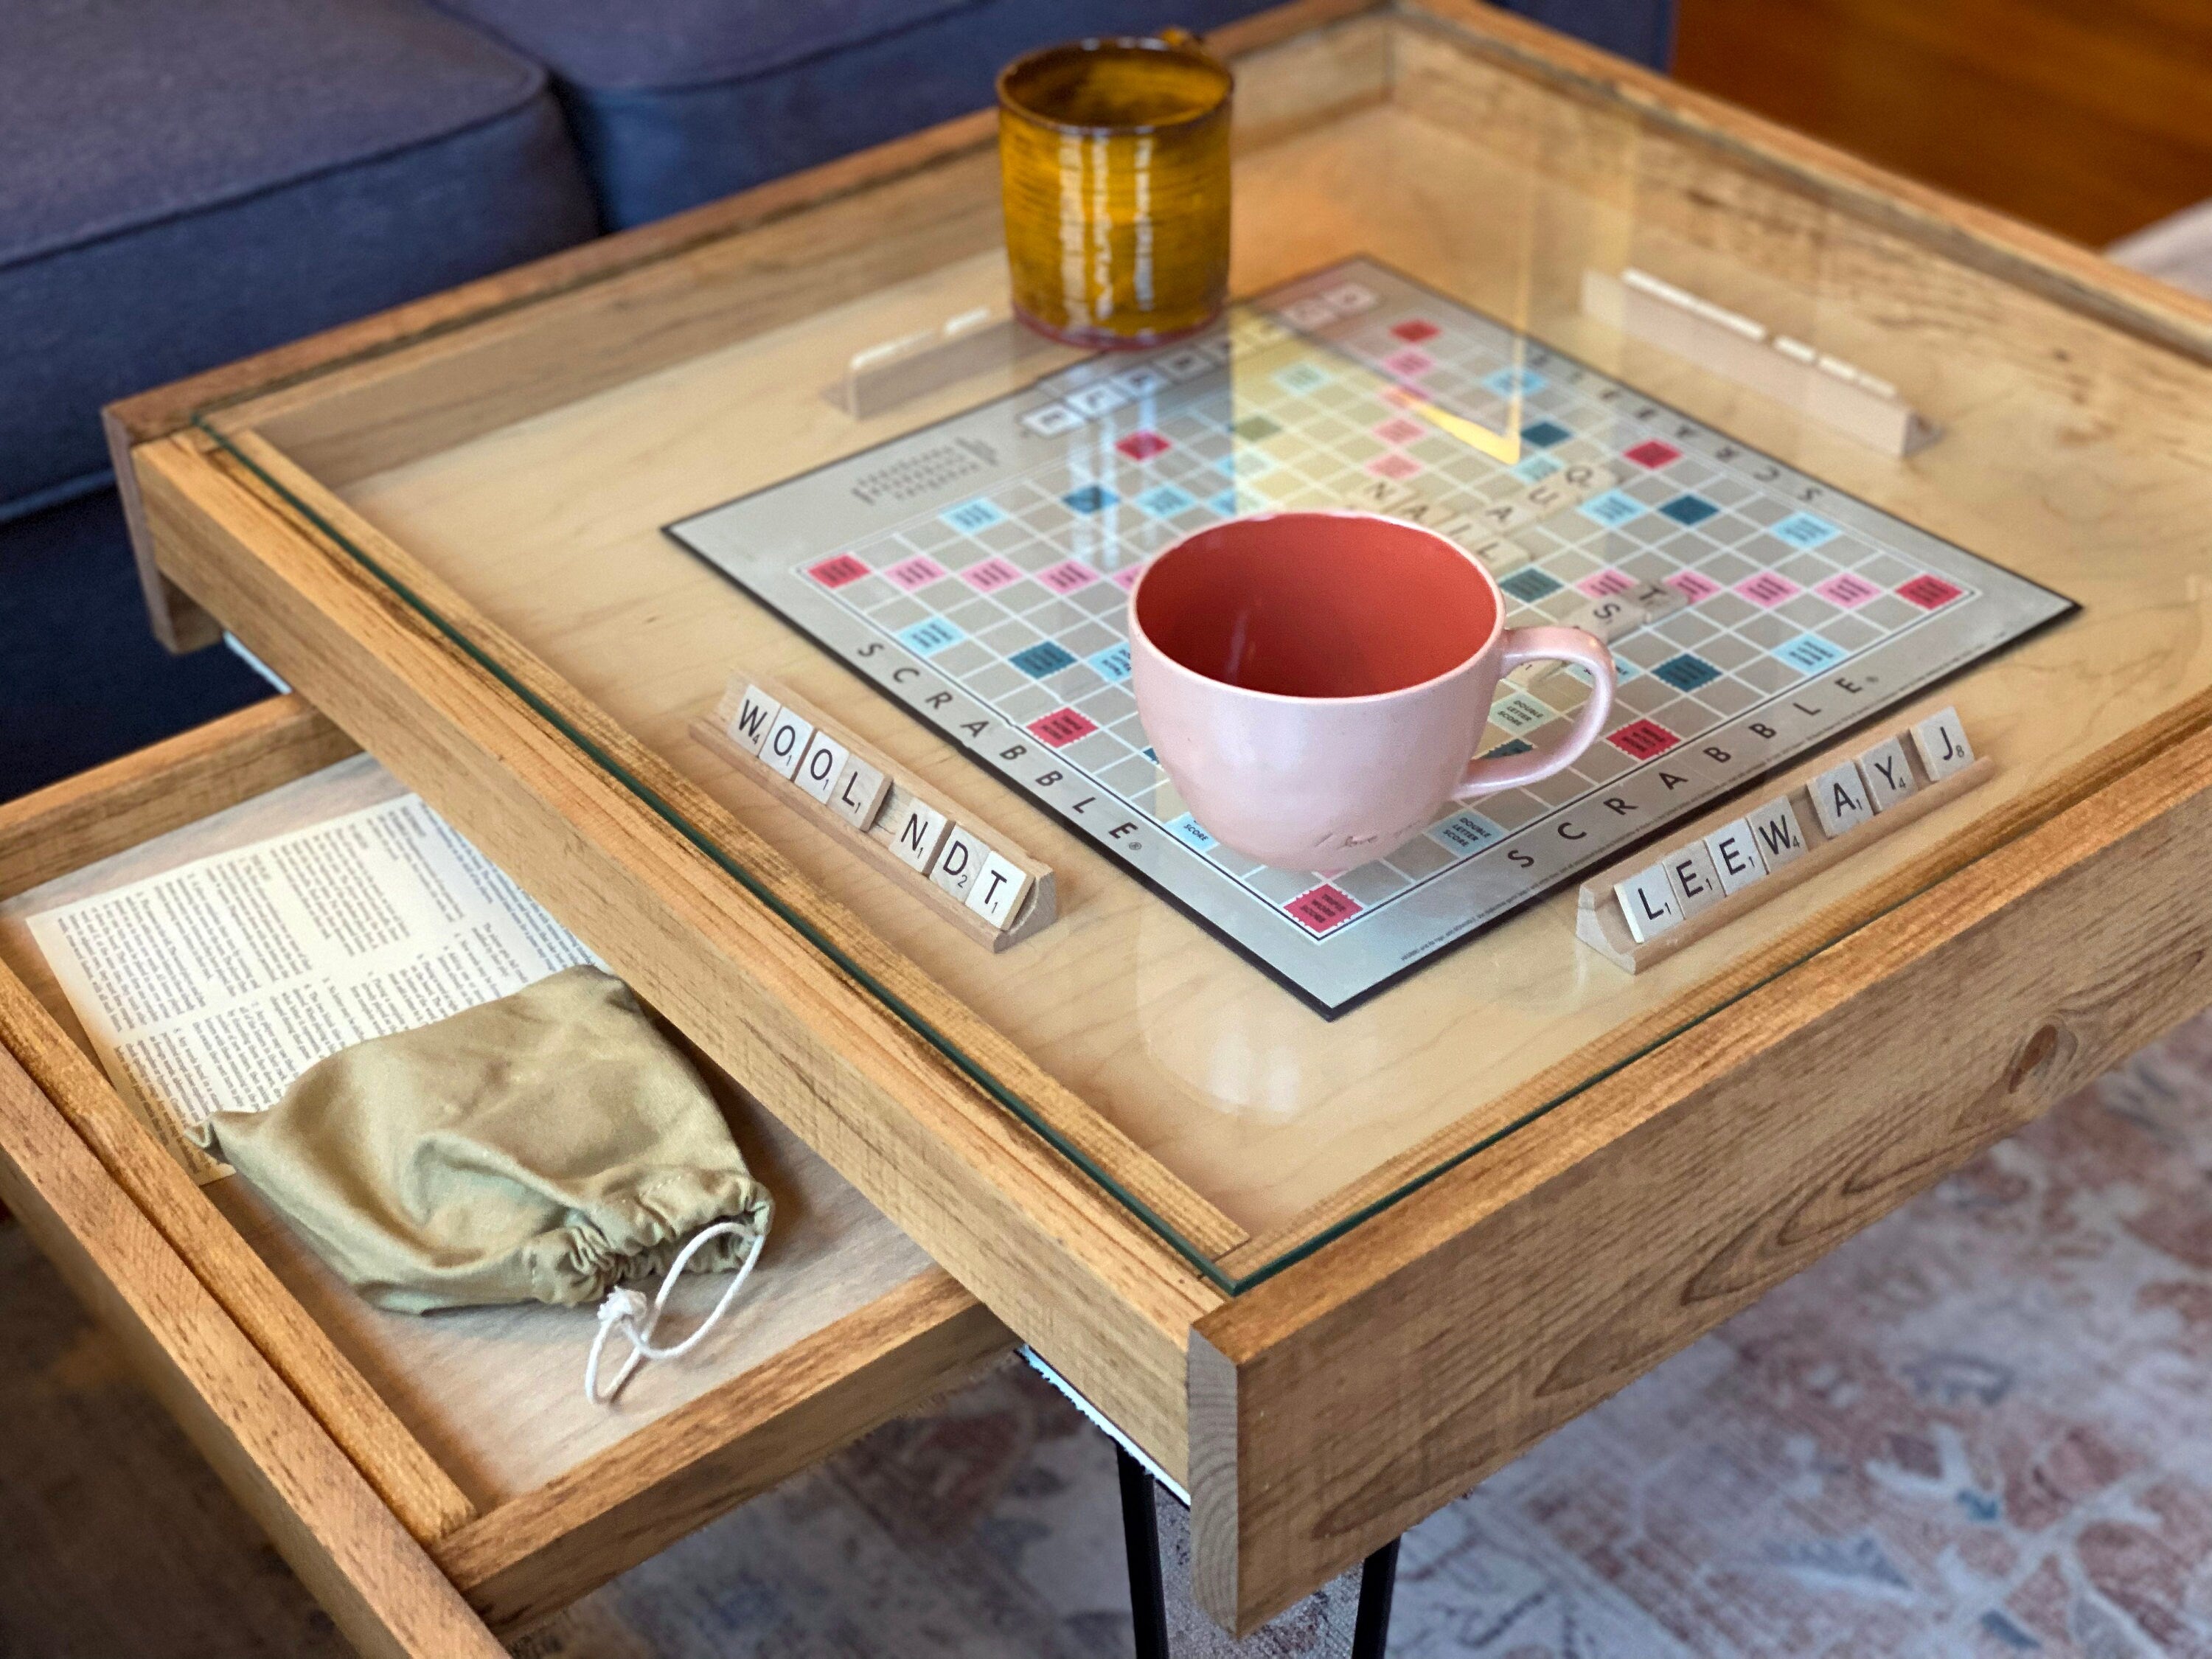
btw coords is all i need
(211, 988)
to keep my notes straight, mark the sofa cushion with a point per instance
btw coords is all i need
(658, 45)
(184, 183)
(680, 104)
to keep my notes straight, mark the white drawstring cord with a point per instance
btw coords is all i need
(624, 1308)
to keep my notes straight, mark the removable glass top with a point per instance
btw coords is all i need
(1816, 482)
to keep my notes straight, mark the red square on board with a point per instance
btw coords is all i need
(1413, 331)
(1324, 908)
(1928, 593)
(1142, 446)
(1643, 739)
(1061, 727)
(1652, 454)
(836, 571)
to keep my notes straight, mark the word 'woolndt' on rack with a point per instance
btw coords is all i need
(972, 877)
(1636, 916)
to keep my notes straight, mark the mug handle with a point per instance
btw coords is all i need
(1488, 774)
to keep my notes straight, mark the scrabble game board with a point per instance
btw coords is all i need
(977, 572)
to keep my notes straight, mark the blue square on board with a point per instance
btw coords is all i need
(1514, 746)
(1092, 498)
(1465, 832)
(1224, 503)
(1803, 529)
(1528, 584)
(1188, 830)
(1042, 658)
(1687, 671)
(1165, 501)
(930, 635)
(1613, 509)
(1535, 468)
(1545, 433)
(1112, 663)
(971, 516)
(1302, 377)
(1689, 509)
(1507, 381)
(1809, 653)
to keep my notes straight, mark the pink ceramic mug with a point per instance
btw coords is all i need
(1315, 683)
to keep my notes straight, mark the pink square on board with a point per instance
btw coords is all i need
(1692, 587)
(1766, 589)
(1410, 364)
(836, 571)
(1324, 908)
(1399, 431)
(1394, 465)
(1928, 593)
(1414, 330)
(1142, 446)
(990, 576)
(1846, 590)
(1654, 454)
(918, 571)
(1125, 579)
(1061, 727)
(1606, 583)
(1067, 577)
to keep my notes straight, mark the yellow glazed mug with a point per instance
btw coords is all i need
(1113, 158)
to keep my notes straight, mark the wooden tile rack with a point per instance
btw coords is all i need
(971, 874)
(1699, 886)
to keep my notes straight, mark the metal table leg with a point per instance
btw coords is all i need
(1140, 1535)
(1148, 1605)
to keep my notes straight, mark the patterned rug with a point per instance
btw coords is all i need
(1982, 1428)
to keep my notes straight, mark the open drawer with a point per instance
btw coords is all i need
(397, 1459)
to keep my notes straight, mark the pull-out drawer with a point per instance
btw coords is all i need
(414, 1468)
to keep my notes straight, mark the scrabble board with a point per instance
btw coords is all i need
(977, 572)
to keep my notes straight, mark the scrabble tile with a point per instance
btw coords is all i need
(751, 723)
(858, 794)
(1888, 775)
(1608, 619)
(917, 833)
(1649, 903)
(1499, 556)
(786, 744)
(1735, 856)
(1776, 833)
(961, 862)
(1690, 872)
(819, 767)
(1942, 740)
(1380, 495)
(997, 891)
(1839, 799)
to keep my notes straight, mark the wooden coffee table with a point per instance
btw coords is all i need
(1324, 1274)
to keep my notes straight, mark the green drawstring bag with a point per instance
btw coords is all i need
(549, 1147)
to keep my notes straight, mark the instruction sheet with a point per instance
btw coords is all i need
(209, 987)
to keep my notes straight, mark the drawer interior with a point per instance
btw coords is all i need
(494, 1396)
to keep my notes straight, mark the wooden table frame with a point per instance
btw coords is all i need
(1322, 1413)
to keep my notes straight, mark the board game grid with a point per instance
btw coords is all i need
(978, 572)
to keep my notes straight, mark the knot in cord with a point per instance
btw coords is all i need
(627, 1311)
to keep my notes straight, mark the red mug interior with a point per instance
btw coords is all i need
(1317, 604)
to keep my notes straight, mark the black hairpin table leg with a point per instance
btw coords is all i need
(1378, 1581)
(1140, 1535)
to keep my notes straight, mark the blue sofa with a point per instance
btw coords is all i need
(184, 183)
